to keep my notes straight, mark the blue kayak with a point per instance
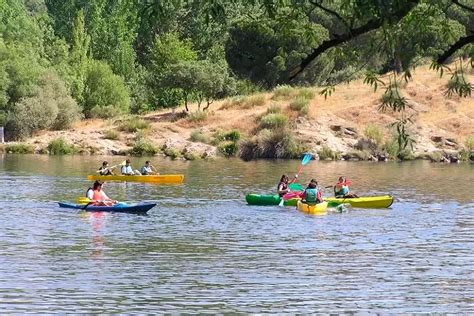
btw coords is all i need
(119, 207)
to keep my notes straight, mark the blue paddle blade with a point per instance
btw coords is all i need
(306, 159)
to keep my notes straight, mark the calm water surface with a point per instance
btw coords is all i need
(203, 250)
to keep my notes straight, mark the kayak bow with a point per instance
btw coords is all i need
(315, 209)
(268, 199)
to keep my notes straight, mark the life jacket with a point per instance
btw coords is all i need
(312, 195)
(99, 196)
(283, 185)
(341, 189)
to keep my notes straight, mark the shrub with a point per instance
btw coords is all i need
(306, 93)
(190, 156)
(233, 102)
(198, 116)
(271, 144)
(253, 101)
(199, 136)
(300, 104)
(19, 148)
(327, 153)
(469, 143)
(218, 137)
(111, 134)
(106, 94)
(60, 146)
(283, 92)
(133, 125)
(173, 153)
(274, 108)
(273, 121)
(142, 147)
(374, 134)
(228, 148)
(233, 135)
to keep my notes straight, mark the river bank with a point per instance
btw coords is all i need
(282, 124)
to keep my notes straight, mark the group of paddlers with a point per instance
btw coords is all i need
(126, 169)
(313, 192)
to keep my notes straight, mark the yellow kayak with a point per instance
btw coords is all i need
(382, 201)
(159, 179)
(316, 209)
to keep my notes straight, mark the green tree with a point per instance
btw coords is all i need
(79, 57)
(105, 94)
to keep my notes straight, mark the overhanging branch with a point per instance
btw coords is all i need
(459, 44)
(351, 34)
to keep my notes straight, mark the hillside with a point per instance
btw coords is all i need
(441, 123)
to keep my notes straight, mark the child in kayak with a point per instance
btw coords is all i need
(341, 189)
(128, 170)
(283, 184)
(148, 169)
(312, 194)
(98, 197)
(104, 170)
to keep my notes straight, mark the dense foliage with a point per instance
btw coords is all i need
(61, 60)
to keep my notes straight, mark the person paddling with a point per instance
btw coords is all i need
(341, 189)
(98, 196)
(127, 169)
(104, 170)
(148, 169)
(283, 188)
(312, 194)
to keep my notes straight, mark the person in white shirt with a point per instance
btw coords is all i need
(148, 169)
(128, 170)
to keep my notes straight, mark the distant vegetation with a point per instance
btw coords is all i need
(64, 60)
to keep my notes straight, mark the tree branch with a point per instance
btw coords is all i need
(465, 7)
(351, 34)
(460, 43)
(329, 11)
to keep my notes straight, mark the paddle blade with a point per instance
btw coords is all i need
(291, 195)
(295, 187)
(82, 200)
(306, 159)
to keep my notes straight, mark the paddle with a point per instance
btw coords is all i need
(306, 159)
(110, 168)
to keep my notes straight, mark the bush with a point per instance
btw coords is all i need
(218, 137)
(327, 153)
(198, 116)
(246, 87)
(190, 156)
(253, 101)
(133, 125)
(111, 134)
(374, 134)
(228, 148)
(106, 94)
(60, 146)
(19, 148)
(233, 135)
(234, 102)
(271, 144)
(273, 121)
(143, 148)
(306, 93)
(274, 108)
(469, 143)
(300, 104)
(173, 153)
(283, 92)
(199, 136)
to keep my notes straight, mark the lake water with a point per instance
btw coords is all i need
(203, 250)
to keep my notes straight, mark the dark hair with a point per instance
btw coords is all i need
(283, 177)
(148, 161)
(312, 185)
(127, 161)
(97, 184)
(314, 181)
(105, 163)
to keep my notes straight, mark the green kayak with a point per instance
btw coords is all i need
(268, 199)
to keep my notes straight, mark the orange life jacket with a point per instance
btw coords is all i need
(99, 195)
